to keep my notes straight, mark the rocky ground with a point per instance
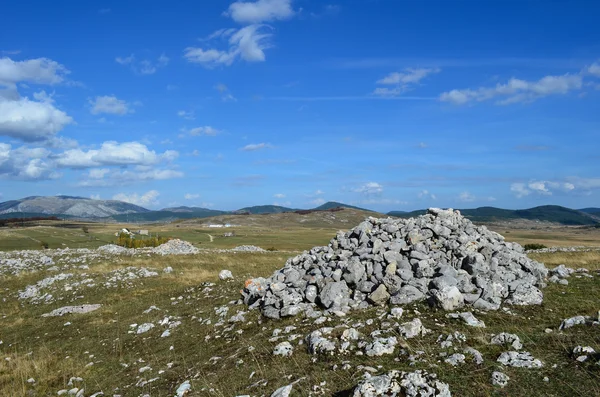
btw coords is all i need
(171, 321)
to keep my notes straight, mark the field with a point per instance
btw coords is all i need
(40, 355)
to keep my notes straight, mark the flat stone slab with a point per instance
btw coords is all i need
(72, 309)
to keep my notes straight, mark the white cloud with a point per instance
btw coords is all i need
(379, 201)
(25, 163)
(282, 203)
(98, 173)
(370, 188)
(319, 192)
(279, 195)
(247, 43)
(126, 177)
(95, 196)
(256, 146)
(38, 71)
(516, 90)
(113, 153)
(402, 82)
(520, 189)
(547, 188)
(426, 195)
(594, 69)
(260, 11)
(186, 115)
(31, 120)
(196, 153)
(207, 130)
(109, 104)
(143, 66)
(191, 196)
(466, 197)
(147, 199)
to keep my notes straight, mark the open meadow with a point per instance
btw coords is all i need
(164, 320)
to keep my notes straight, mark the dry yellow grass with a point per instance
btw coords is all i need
(589, 260)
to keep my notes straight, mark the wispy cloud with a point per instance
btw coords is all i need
(516, 90)
(260, 11)
(149, 198)
(542, 187)
(402, 82)
(206, 131)
(143, 66)
(226, 95)
(109, 104)
(369, 188)
(191, 196)
(256, 146)
(188, 115)
(426, 194)
(532, 148)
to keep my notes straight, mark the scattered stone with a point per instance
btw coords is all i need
(183, 389)
(283, 391)
(582, 353)
(468, 319)
(511, 340)
(408, 384)
(381, 346)
(519, 360)
(412, 328)
(477, 356)
(225, 275)
(248, 248)
(284, 349)
(456, 359)
(573, 321)
(499, 379)
(143, 328)
(80, 309)
(175, 247)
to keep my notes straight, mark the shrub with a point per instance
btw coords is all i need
(85, 229)
(534, 246)
(44, 245)
(271, 249)
(127, 241)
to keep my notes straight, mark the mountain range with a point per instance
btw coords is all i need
(81, 207)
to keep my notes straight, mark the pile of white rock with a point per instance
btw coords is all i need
(248, 248)
(175, 247)
(441, 257)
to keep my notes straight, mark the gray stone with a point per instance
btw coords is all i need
(573, 321)
(406, 384)
(335, 294)
(507, 339)
(448, 298)
(80, 309)
(406, 295)
(519, 360)
(225, 274)
(284, 349)
(310, 293)
(412, 328)
(499, 379)
(283, 391)
(468, 318)
(381, 346)
(455, 359)
(380, 296)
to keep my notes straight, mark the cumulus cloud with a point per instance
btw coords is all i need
(369, 188)
(260, 11)
(143, 66)
(109, 104)
(256, 146)
(402, 81)
(31, 120)
(247, 43)
(207, 130)
(147, 199)
(516, 90)
(191, 196)
(113, 153)
(546, 188)
(594, 69)
(279, 195)
(37, 71)
(24, 163)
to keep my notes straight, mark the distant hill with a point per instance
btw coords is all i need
(69, 206)
(166, 216)
(334, 204)
(595, 211)
(547, 213)
(264, 209)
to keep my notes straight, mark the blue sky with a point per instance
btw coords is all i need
(390, 105)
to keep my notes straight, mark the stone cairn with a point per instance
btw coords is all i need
(440, 257)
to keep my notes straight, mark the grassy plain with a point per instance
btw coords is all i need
(218, 361)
